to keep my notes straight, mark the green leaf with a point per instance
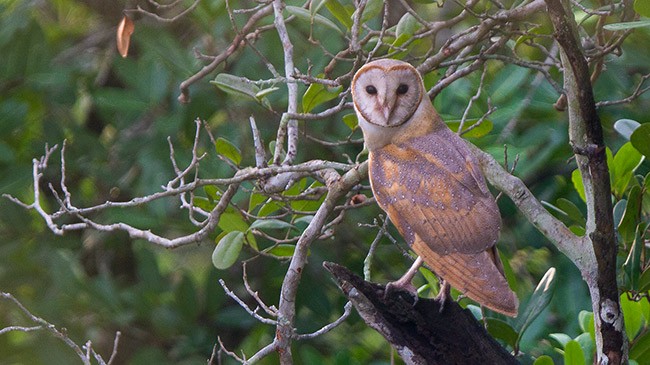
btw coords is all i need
(477, 132)
(627, 25)
(573, 354)
(544, 360)
(262, 224)
(213, 193)
(588, 346)
(228, 150)
(625, 127)
(340, 12)
(236, 85)
(264, 92)
(351, 121)
(317, 94)
(632, 265)
(632, 316)
(269, 207)
(576, 179)
(571, 210)
(561, 338)
(407, 25)
(373, 9)
(642, 7)
(203, 203)
(640, 351)
(625, 162)
(233, 221)
(628, 223)
(304, 220)
(538, 301)
(227, 250)
(644, 282)
(254, 200)
(306, 15)
(640, 138)
(282, 250)
(502, 330)
(586, 321)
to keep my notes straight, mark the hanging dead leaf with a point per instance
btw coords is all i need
(124, 31)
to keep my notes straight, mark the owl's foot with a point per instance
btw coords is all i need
(444, 295)
(404, 283)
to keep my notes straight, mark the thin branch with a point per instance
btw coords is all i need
(139, 10)
(184, 97)
(328, 327)
(288, 125)
(251, 312)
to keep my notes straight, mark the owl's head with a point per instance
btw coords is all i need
(387, 92)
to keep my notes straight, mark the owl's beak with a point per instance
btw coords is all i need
(386, 110)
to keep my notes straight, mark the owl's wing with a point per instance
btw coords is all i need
(431, 186)
(477, 275)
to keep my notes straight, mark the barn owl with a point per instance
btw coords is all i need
(425, 178)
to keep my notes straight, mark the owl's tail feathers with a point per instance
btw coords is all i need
(478, 275)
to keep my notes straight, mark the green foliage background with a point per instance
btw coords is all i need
(62, 79)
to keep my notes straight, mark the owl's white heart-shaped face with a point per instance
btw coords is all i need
(386, 92)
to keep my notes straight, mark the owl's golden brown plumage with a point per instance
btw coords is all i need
(428, 182)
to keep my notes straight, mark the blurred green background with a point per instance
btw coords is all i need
(62, 79)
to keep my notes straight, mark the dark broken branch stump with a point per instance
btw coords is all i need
(421, 333)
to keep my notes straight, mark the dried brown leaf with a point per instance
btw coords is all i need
(124, 31)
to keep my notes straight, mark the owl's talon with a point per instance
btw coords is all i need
(402, 289)
(444, 295)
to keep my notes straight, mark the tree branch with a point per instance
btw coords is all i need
(586, 137)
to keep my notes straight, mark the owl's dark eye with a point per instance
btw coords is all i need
(402, 89)
(371, 90)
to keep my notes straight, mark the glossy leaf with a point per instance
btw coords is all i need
(538, 301)
(318, 94)
(340, 12)
(561, 338)
(233, 221)
(373, 9)
(573, 354)
(254, 200)
(625, 127)
(644, 281)
(586, 321)
(407, 25)
(642, 7)
(640, 139)
(213, 193)
(282, 250)
(625, 162)
(588, 346)
(263, 224)
(571, 210)
(236, 85)
(227, 250)
(502, 330)
(351, 121)
(640, 350)
(632, 265)
(306, 16)
(544, 360)
(629, 221)
(228, 150)
(576, 179)
(627, 25)
(632, 316)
